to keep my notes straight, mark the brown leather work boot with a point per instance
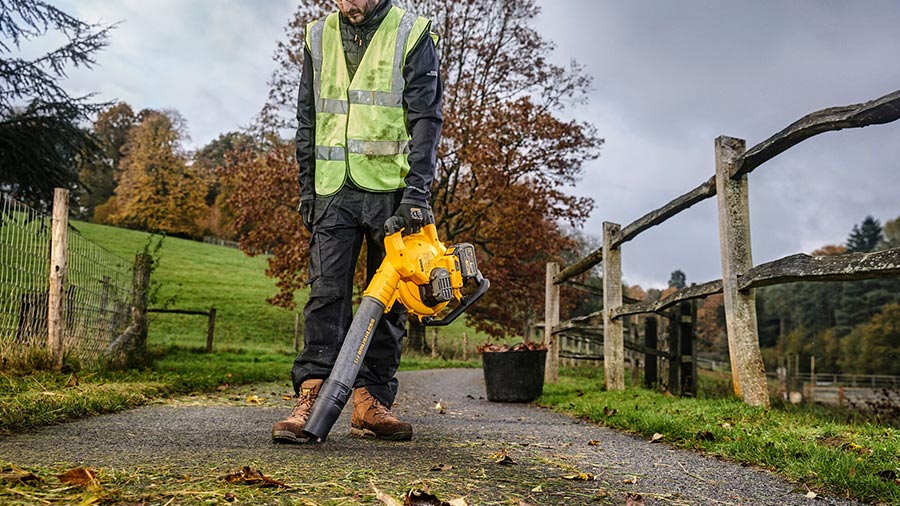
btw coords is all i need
(291, 429)
(372, 419)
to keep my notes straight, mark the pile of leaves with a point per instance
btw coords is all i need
(500, 348)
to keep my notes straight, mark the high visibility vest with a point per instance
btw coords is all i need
(360, 124)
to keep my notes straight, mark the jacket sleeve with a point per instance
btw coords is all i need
(306, 131)
(422, 101)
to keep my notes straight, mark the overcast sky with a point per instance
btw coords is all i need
(669, 77)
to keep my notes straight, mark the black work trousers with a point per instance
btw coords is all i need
(340, 224)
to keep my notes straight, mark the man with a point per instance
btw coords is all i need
(369, 119)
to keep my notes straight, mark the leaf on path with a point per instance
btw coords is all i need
(384, 498)
(16, 475)
(579, 477)
(249, 476)
(439, 407)
(594, 442)
(420, 498)
(79, 477)
(441, 467)
(630, 480)
(811, 495)
(657, 437)
(634, 500)
(502, 458)
(601, 494)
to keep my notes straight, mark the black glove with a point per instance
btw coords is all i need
(413, 215)
(307, 212)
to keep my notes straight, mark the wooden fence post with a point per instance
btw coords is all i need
(551, 319)
(687, 361)
(210, 329)
(434, 352)
(613, 331)
(143, 264)
(748, 371)
(651, 370)
(59, 241)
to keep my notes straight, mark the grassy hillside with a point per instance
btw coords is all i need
(198, 276)
(194, 275)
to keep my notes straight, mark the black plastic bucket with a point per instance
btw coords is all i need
(513, 376)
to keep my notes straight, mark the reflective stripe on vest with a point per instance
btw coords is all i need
(360, 124)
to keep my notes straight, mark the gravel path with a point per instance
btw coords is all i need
(452, 453)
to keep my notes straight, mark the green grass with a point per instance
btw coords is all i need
(815, 447)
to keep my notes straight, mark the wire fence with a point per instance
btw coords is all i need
(97, 290)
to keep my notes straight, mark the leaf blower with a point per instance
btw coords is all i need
(424, 275)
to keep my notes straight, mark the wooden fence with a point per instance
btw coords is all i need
(740, 278)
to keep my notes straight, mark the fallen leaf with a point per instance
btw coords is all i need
(538, 488)
(384, 498)
(287, 397)
(726, 425)
(79, 477)
(602, 493)
(439, 407)
(255, 399)
(657, 437)
(579, 477)
(73, 381)
(441, 467)
(607, 412)
(594, 442)
(249, 476)
(887, 474)
(222, 387)
(420, 498)
(634, 500)
(502, 458)
(14, 474)
(631, 480)
(811, 495)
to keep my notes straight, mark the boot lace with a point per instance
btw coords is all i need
(304, 404)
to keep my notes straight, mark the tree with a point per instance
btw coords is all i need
(40, 135)
(99, 174)
(157, 191)
(865, 237)
(211, 161)
(505, 155)
(892, 233)
(678, 280)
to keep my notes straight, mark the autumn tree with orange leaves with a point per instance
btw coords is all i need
(157, 190)
(505, 160)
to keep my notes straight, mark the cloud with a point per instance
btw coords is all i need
(210, 60)
(672, 76)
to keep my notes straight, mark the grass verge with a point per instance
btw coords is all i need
(811, 446)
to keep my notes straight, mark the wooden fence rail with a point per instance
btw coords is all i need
(740, 278)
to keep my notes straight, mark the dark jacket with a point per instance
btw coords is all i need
(421, 101)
